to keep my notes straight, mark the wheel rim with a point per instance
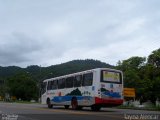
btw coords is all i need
(74, 104)
(48, 102)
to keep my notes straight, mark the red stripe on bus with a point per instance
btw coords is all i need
(108, 101)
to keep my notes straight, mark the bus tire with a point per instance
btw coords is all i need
(66, 106)
(95, 107)
(74, 103)
(49, 103)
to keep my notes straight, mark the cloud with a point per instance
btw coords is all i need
(14, 49)
(52, 32)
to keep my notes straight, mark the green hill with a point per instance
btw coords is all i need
(40, 73)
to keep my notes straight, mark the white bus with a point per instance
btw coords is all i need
(95, 88)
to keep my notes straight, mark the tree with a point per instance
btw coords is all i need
(131, 67)
(154, 58)
(132, 63)
(23, 86)
(153, 73)
(143, 76)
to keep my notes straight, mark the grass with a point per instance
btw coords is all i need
(21, 101)
(151, 107)
(24, 102)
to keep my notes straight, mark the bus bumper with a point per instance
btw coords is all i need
(108, 102)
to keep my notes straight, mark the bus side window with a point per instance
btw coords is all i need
(54, 85)
(49, 85)
(87, 79)
(61, 83)
(69, 82)
(78, 81)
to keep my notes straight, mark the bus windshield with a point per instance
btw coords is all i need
(111, 76)
(43, 87)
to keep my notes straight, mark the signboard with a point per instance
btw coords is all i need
(129, 92)
(111, 76)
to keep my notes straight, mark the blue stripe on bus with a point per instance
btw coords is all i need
(112, 94)
(59, 99)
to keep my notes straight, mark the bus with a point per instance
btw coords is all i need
(95, 88)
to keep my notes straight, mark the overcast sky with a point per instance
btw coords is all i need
(49, 32)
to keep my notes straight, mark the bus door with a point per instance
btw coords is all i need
(43, 92)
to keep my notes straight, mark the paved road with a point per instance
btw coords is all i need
(41, 112)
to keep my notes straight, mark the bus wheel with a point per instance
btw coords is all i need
(74, 103)
(95, 107)
(49, 103)
(66, 106)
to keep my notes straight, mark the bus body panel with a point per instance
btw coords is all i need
(64, 97)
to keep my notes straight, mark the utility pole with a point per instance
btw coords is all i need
(39, 85)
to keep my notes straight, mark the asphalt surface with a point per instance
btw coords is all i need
(19, 111)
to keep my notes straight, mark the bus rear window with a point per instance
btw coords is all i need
(110, 76)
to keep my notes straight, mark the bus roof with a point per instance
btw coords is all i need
(91, 70)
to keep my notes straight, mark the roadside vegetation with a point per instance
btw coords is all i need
(143, 74)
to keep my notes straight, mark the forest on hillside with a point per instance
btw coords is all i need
(142, 73)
